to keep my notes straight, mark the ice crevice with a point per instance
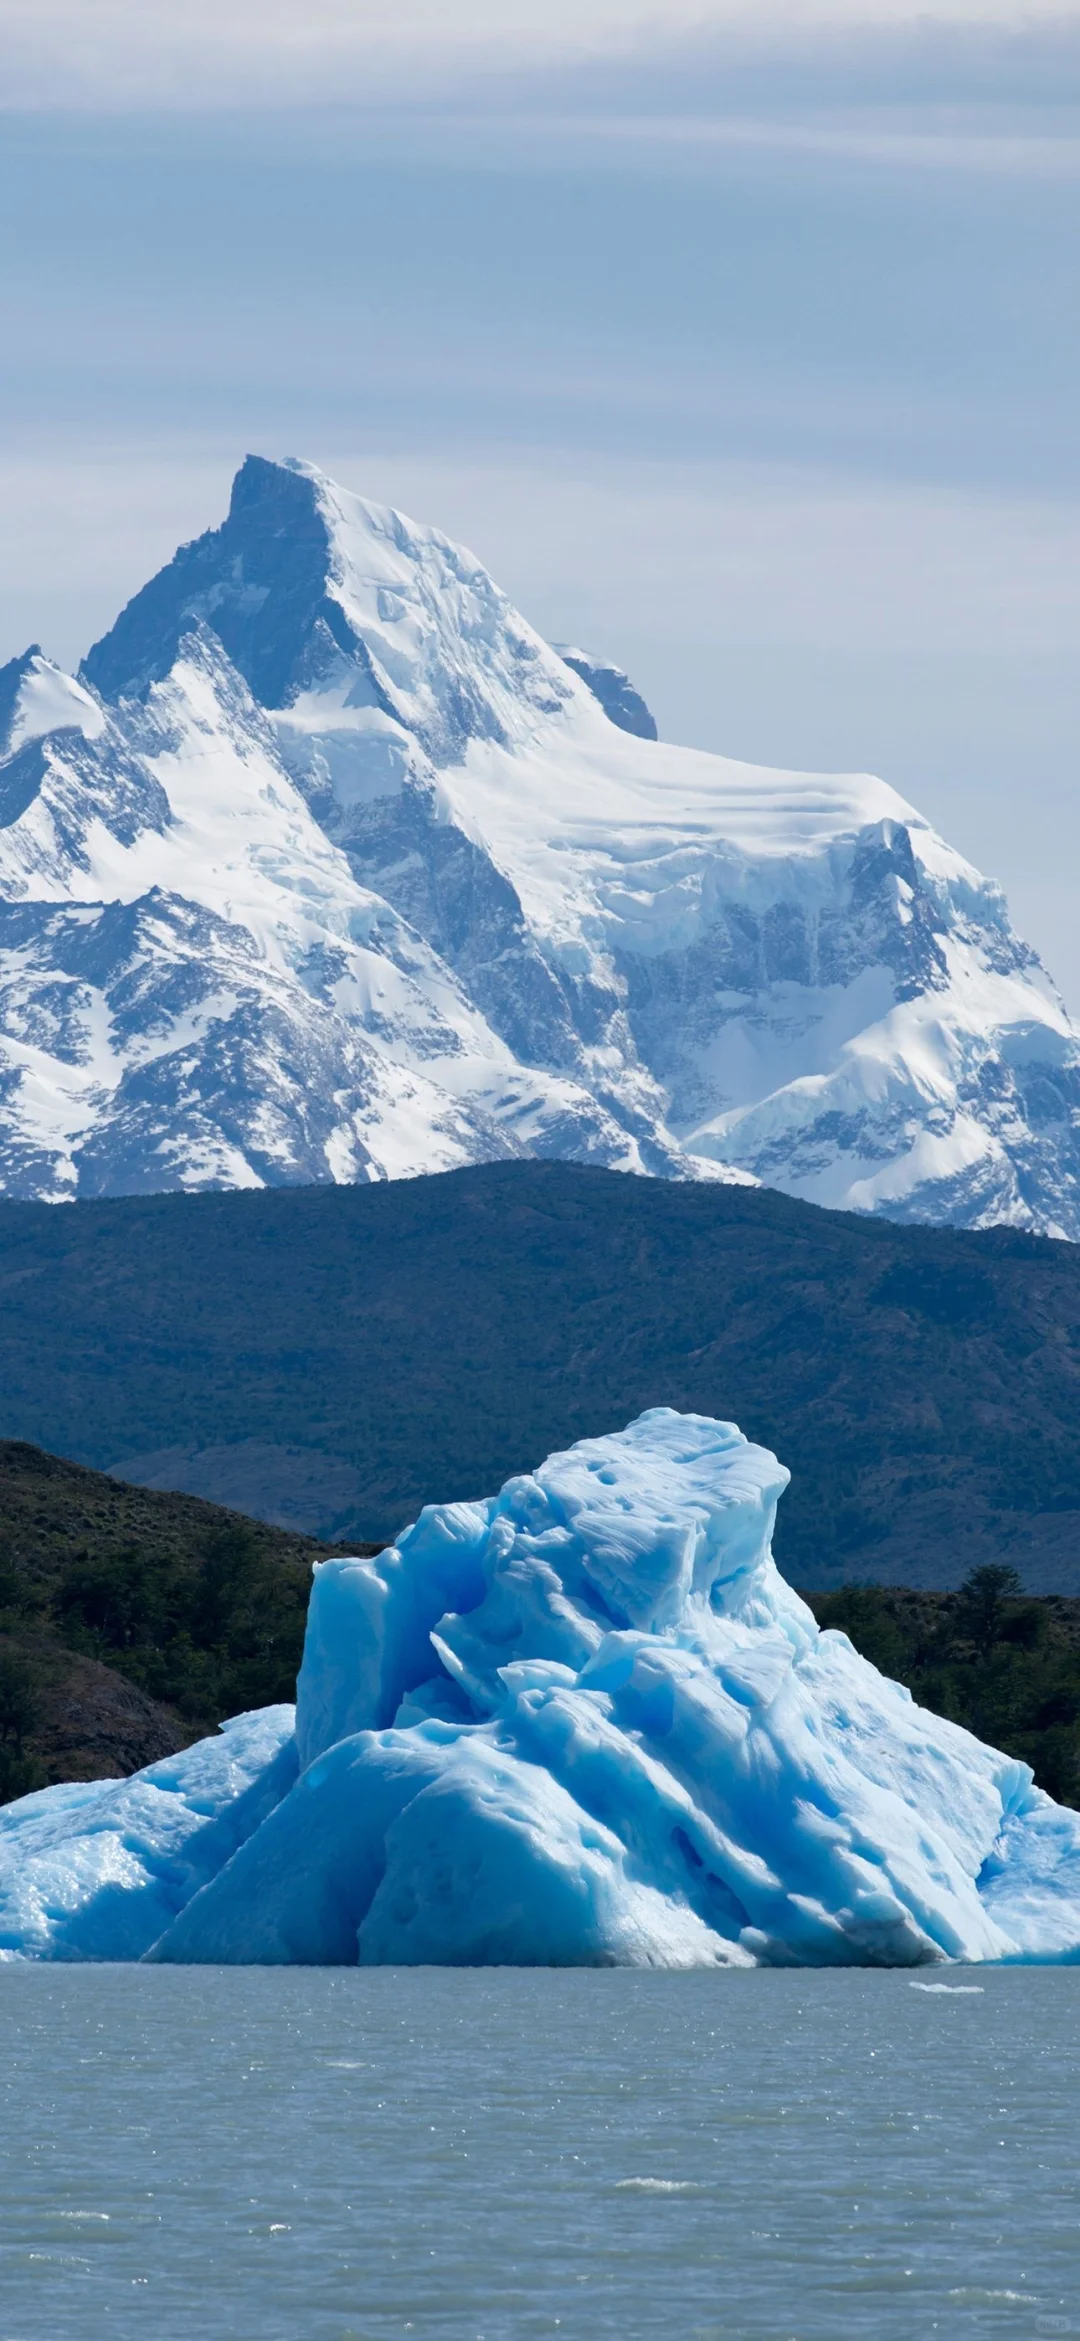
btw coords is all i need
(582, 1722)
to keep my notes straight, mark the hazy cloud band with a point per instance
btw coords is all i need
(194, 55)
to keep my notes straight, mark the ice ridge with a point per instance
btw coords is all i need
(582, 1722)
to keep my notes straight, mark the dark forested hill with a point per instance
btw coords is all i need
(333, 1357)
(131, 1622)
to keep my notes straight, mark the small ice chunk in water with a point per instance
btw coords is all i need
(952, 1991)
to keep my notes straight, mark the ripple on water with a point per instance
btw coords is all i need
(762, 2157)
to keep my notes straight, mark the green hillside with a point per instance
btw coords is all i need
(335, 1357)
(131, 1622)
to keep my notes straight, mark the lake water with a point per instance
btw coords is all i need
(313, 2155)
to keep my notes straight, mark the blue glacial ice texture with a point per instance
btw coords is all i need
(583, 1722)
(99, 1868)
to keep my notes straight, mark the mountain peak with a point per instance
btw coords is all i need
(36, 698)
(312, 588)
(259, 579)
(330, 866)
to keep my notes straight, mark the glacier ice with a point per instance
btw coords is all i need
(97, 1869)
(582, 1722)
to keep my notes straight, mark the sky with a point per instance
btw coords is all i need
(743, 348)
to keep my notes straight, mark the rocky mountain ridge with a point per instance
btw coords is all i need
(327, 867)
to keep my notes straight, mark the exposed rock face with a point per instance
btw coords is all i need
(614, 690)
(328, 868)
(96, 1726)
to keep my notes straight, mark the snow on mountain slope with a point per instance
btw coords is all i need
(329, 867)
(195, 990)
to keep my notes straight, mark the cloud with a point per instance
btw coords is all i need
(690, 142)
(196, 54)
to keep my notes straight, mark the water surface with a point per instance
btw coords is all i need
(482, 2155)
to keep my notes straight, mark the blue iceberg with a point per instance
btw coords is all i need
(584, 1722)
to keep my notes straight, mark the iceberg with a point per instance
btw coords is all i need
(583, 1722)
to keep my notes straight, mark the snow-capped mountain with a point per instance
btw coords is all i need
(328, 867)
